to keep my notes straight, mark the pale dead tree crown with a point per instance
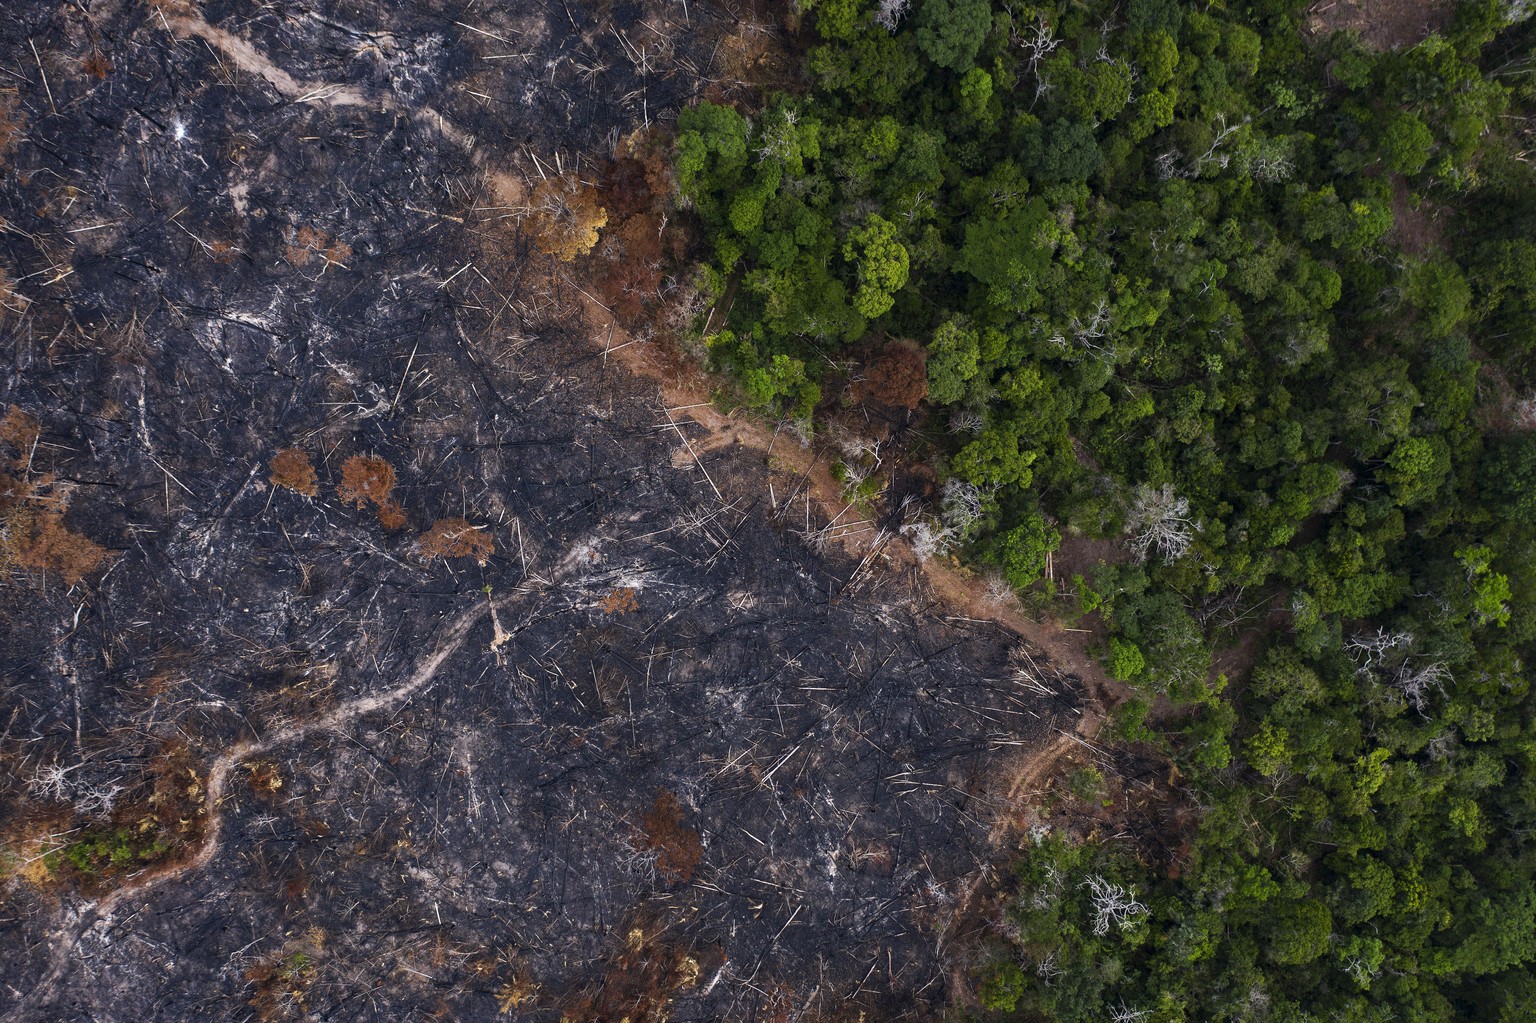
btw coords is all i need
(1113, 904)
(1038, 41)
(1369, 649)
(1123, 1014)
(966, 421)
(1094, 335)
(961, 505)
(960, 509)
(1389, 656)
(1159, 521)
(1169, 166)
(890, 13)
(55, 783)
(929, 539)
(1525, 412)
(1418, 683)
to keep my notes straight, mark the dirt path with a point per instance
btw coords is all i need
(99, 914)
(81, 920)
(187, 23)
(1382, 24)
(687, 394)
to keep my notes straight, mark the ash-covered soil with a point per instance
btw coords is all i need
(657, 757)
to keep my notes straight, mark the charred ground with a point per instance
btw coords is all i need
(570, 719)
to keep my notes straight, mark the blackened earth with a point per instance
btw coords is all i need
(289, 225)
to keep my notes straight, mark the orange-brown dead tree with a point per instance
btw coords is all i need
(369, 479)
(898, 375)
(291, 468)
(567, 217)
(456, 538)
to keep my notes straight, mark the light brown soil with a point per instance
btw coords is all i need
(1382, 24)
(1415, 230)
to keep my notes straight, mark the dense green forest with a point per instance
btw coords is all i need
(1263, 307)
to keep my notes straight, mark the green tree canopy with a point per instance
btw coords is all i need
(950, 32)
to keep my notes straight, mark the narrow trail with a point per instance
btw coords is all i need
(186, 24)
(90, 915)
(687, 393)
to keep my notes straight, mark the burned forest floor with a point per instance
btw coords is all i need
(389, 628)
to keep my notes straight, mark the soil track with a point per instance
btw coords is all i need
(1382, 24)
(688, 392)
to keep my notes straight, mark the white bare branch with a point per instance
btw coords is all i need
(1112, 904)
(1159, 521)
(960, 506)
(54, 783)
(1419, 683)
(890, 12)
(1122, 1014)
(1038, 42)
(1224, 132)
(929, 539)
(966, 421)
(1368, 650)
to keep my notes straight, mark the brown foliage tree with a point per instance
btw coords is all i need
(456, 538)
(18, 433)
(620, 601)
(630, 272)
(310, 242)
(291, 468)
(625, 187)
(678, 849)
(37, 539)
(898, 375)
(96, 65)
(32, 531)
(369, 479)
(566, 217)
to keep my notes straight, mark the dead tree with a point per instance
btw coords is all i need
(890, 13)
(1160, 522)
(1112, 904)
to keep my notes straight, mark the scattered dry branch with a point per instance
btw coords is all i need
(13, 125)
(18, 431)
(11, 300)
(265, 778)
(281, 982)
(643, 975)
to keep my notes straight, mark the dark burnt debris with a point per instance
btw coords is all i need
(632, 750)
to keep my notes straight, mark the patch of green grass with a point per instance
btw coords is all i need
(102, 850)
